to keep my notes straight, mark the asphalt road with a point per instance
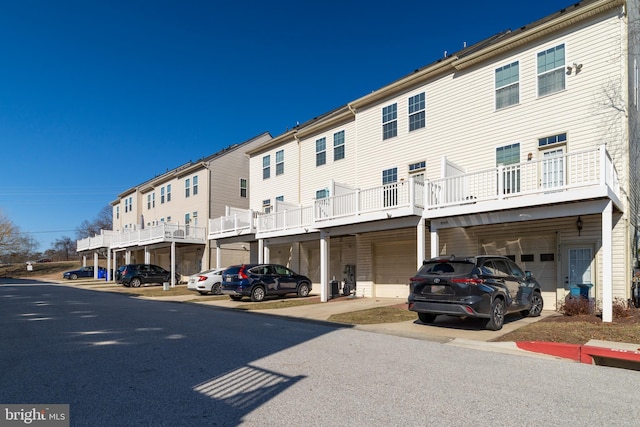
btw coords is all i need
(122, 361)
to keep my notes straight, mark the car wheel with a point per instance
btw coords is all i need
(135, 282)
(427, 317)
(496, 320)
(216, 289)
(74, 277)
(303, 290)
(537, 303)
(235, 297)
(257, 294)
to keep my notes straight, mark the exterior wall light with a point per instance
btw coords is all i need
(579, 225)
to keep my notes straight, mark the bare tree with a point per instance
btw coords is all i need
(15, 246)
(65, 247)
(103, 221)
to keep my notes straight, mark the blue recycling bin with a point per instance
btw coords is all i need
(102, 273)
(584, 289)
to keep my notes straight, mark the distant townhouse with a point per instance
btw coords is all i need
(163, 221)
(525, 144)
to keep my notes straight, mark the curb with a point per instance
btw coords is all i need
(603, 354)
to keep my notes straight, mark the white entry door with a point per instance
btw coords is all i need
(579, 267)
(553, 168)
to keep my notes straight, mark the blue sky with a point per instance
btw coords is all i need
(99, 96)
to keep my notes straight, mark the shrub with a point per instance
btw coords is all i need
(575, 306)
(621, 308)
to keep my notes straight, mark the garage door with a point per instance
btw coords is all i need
(394, 264)
(536, 254)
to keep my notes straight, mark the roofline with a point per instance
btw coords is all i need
(525, 35)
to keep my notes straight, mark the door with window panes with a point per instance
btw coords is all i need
(390, 187)
(508, 157)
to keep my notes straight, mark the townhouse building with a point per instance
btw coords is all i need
(525, 144)
(163, 221)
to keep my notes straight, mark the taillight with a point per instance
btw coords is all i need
(202, 278)
(415, 279)
(468, 281)
(241, 273)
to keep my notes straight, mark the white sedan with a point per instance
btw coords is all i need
(209, 281)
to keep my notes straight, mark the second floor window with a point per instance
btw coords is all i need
(390, 121)
(195, 185)
(187, 187)
(243, 188)
(338, 145)
(509, 157)
(417, 118)
(117, 212)
(322, 194)
(266, 206)
(162, 195)
(279, 162)
(321, 151)
(507, 85)
(551, 76)
(169, 193)
(266, 167)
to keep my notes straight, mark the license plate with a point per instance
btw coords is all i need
(228, 279)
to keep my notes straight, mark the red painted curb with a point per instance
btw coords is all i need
(581, 353)
(568, 351)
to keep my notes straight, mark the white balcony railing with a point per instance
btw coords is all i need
(553, 174)
(164, 232)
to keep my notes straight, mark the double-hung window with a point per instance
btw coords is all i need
(551, 75)
(187, 187)
(162, 195)
(321, 151)
(169, 193)
(266, 167)
(338, 145)
(390, 121)
(195, 185)
(507, 85)
(417, 119)
(279, 162)
(243, 187)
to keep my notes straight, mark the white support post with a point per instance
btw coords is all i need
(260, 251)
(324, 266)
(267, 253)
(218, 255)
(95, 265)
(84, 260)
(173, 264)
(435, 242)
(147, 255)
(420, 229)
(607, 260)
(108, 276)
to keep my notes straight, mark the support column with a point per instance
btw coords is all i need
(127, 257)
(108, 276)
(324, 266)
(115, 263)
(218, 255)
(607, 260)
(260, 251)
(267, 253)
(173, 264)
(95, 265)
(420, 229)
(147, 255)
(435, 242)
(84, 260)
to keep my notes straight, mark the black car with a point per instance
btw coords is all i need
(484, 286)
(84, 272)
(260, 280)
(134, 275)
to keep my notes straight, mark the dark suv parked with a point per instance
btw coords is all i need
(483, 286)
(135, 275)
(260, 280)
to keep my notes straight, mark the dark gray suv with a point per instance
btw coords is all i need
(484, 286)
(134, 275)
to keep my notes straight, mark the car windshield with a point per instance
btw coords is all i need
(449, 267)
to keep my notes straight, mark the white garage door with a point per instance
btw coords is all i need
(394, 264)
